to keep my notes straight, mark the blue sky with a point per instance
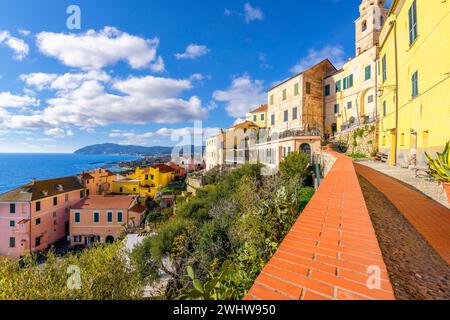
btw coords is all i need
(141, 72)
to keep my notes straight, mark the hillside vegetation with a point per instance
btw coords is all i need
(221, 239)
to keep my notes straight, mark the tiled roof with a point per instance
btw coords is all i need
(138, 208)
(243, 124)
(163, 168)
(86, 176)
(261, 108)
(42, 189)
(105, 202)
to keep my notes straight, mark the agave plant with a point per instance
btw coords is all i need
(440, 167)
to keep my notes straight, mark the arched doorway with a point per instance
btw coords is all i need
(333, 129)
(305, 148)
(109, 239)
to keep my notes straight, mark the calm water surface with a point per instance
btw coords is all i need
(19, 169)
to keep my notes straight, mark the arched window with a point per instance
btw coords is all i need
(364, 26)
(305, 148)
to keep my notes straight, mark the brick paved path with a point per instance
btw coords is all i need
(328, 251)
(430, 218)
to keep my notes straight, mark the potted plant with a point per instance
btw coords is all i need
(440, 168)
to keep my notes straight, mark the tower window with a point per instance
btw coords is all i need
(364, 26)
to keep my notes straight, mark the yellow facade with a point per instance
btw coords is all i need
(414, 81)
(259, 116)
(145, 182)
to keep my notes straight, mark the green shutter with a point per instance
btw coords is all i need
(338, 86)
(412, 15)
(345, 83)
(368, 72)
(350, 81)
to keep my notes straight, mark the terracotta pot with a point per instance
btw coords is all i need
(447, 189)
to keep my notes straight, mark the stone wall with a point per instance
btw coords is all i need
(360, 139)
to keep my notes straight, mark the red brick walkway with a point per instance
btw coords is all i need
(327, 253)
(430, 218)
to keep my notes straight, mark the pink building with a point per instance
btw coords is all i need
(36, 215)
(100, 218)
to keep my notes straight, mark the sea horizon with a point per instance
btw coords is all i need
(17, 169)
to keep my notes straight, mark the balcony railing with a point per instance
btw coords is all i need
(291, 134)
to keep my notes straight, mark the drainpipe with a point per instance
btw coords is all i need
(375, 135)
(396, 90)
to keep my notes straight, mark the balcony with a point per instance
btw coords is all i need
(292, 134)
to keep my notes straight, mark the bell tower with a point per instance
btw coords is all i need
(372, 15)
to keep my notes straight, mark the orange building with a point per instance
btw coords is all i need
(98, 181)
(179, 171)
(101, 218)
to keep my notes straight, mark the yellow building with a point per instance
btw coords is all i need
(350, 93)
(259, 116)
(145, 182)
(414, 81)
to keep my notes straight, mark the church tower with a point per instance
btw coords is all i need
(368, 26)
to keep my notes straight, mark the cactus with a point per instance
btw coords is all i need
(440, 167)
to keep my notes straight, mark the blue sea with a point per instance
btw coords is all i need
(19, 169)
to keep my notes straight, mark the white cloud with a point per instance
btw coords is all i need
(131, 137)
(65, 82)
(39, 139)
(193, 51)
(334, 53)
(24, 32)
(242, 96)
(159, 66)
(58, 133)
(95, 50)
(19, 46)
(89, 102)
(9, 100)
(251, 13)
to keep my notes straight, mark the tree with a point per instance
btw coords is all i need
(295, 165)
(100, 273)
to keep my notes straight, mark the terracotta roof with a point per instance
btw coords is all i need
(138, 208)
(42, 189)
(163, 168)
(241, 124)
(86, 176)
(175, 166)
(261, 108)
(105, 202)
